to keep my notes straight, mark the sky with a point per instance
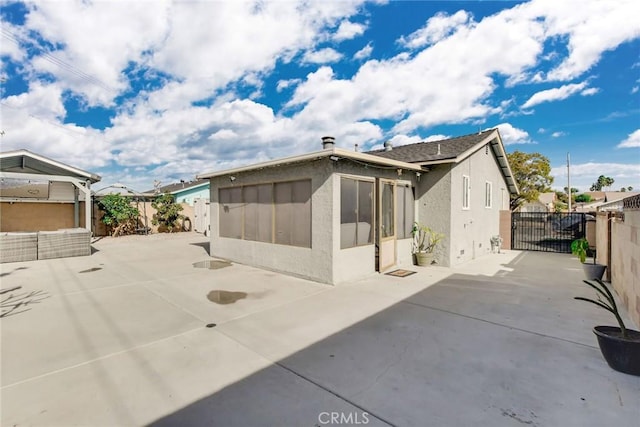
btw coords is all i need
(141, 92)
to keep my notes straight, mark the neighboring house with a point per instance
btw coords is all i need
(604, 200)
(186, 192)
(41, 194)
(545, 203)
(336, 215)
(614, 201)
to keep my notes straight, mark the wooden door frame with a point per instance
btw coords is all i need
(380, 182)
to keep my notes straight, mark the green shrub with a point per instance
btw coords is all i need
(167, 212)
(119, 216)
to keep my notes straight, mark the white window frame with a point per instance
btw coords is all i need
(488, 194)
(466, 190)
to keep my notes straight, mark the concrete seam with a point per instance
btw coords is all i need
(496, 324)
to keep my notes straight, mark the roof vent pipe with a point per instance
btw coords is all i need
(388, 146)
(439, 150)
(328, 142)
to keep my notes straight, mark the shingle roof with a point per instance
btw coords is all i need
(420, 152)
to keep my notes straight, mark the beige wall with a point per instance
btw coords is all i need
(625, 261)
(101, 230)
(37, 216)
(505, 229)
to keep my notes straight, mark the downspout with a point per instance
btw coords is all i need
(76, 207)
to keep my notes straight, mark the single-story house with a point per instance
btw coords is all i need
(545, 203)
(185, 191)
(336, 215)
(41, 194)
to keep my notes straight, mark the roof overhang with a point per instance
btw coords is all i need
(497, 147)
(28, 163)
(334, 153)
(193, 187)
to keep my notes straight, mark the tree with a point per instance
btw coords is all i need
(167, 212)
(573, 190)
(119, 216)
(531, 173)
(602, 182)
(583, 198)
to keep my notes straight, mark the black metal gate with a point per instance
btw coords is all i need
(547, 232)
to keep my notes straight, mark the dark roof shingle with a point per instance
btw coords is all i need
(428, 151)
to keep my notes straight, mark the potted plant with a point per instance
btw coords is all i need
(619, 346)
(424, 243)
(580, 248)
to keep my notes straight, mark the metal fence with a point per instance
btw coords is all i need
(546, 232)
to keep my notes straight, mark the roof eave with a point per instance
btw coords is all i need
(92, 177)
(337, 152)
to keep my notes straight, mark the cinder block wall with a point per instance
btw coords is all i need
(625, 261)
(33, 216)
(602, 241)
(100, 228)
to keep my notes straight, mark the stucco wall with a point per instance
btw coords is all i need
(358, 262)
(472, 229)
(325, 261)
(37, 216)
(313, 263)
(190, 194)
(434, 201)
(625, 261)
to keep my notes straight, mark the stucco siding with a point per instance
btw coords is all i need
(190, 194)
(472, 228)
(311, 263)
(433, 195)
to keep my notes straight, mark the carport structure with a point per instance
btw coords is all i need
(31, 178)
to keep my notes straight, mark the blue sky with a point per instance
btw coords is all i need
(145, 91)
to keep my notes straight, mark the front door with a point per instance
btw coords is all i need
(386, 215)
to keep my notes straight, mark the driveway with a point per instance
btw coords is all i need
(136, 335)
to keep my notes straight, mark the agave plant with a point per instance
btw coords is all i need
(608, 303)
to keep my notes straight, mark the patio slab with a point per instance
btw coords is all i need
(498, 341)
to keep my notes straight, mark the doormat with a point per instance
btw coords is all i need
(400, 273)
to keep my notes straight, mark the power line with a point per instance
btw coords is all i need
(47, 56)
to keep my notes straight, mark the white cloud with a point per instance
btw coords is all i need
(590, 91)
(542, 130)
(585, 174)
(558, 134)
(437, 28)
(592, 28)
(512, 135)
(322, 56)
(449, 76)
(284, 84)
(635, 89)
(633, 140)
(348, 30)
(555, 94)
(364, 53)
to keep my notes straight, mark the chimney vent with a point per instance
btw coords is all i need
(439, 150)
(328, 142)
(388, 146)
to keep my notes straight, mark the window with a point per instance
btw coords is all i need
(258, 212)
(251, 212)
(293, 213)
(230, 208)
(465, 192)
(488, 194)
(405, 211)
(356, 213)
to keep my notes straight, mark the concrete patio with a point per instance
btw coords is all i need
(126, 337)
